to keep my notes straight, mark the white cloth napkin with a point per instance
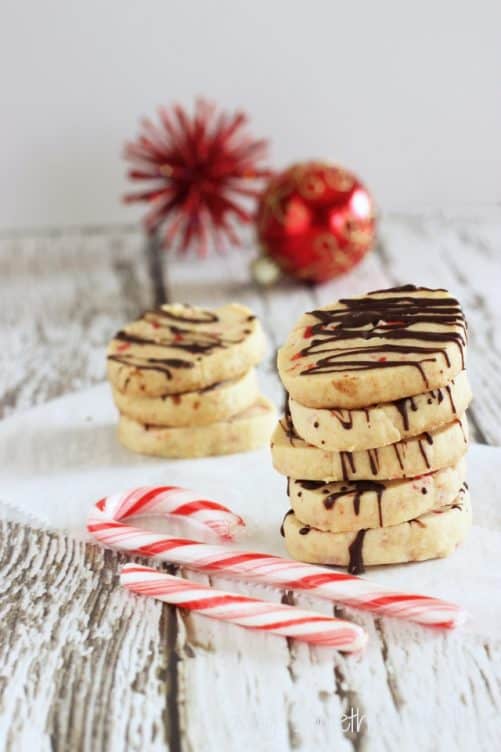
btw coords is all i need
(61, 457)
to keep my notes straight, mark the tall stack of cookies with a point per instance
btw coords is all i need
(184, 382)
(374, 436)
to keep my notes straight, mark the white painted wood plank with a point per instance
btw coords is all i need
(82, 663)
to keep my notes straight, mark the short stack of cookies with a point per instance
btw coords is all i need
(183, 380)
(374, 435)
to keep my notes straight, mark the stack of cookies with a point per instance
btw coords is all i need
(184, 383)
(374, 436)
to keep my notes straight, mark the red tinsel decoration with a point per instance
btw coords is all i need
(203, 171)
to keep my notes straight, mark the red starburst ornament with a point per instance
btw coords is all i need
(203, 173)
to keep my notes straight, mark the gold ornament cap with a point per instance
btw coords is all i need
(265, 271)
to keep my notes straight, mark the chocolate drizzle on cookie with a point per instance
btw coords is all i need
(288, 425)
(175, 331)
(405, 403)
(345, 418)
(423, 453)
(162, 365)
(402, 407)
(451, 400)
(195, 342)
(310, 485)
(349, 461)
(418, 522)
(396, 448)
(356, 489)
(389, 319)
(212, 387)
(458, 504)
(373, 460)
(282, 531)
(348, 466)
(465, 439)
(202, 317)
(356, 562)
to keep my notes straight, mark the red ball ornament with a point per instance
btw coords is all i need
(316, 221)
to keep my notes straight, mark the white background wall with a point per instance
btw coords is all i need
(407, 94)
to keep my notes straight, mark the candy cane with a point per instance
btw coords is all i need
(173, 500)
(339, 587)
(251, 613)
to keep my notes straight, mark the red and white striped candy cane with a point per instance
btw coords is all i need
(104, 523)
(172, 500)
(251, 613)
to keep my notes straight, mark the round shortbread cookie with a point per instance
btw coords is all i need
(208, 405)
(377, 348)
(248, 430)
(421, 454)
(180, 348)
(340, 429)
(343, 506)
(430, 536)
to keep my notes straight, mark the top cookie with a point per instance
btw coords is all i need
(380, 347)
(179, 348)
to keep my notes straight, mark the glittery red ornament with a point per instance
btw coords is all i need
(315, 221)
(202, 172)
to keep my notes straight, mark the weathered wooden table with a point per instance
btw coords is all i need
(80, 668)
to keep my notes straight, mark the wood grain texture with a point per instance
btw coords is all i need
(63, 296)
(84, 666)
